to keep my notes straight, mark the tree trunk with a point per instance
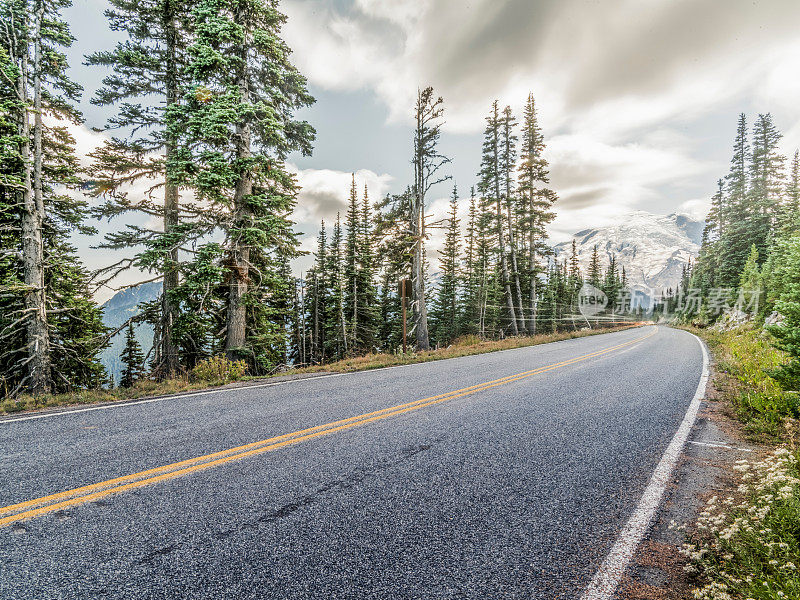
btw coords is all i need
(169, 353)
(504, 269)
(534, 277)
(418, 274)
(417, 230)
(240, 253)
(37, 334)
(515, 271)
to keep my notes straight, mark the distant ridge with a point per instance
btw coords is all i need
(118, 309)
(652, 248)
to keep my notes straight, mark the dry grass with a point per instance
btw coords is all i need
(465, 346)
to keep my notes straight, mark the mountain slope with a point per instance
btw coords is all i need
(116, 311)
(652, 248)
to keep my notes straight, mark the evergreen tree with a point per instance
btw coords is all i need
(470, 316)
(736, 242)
(147, 65)
(507, 166)
(132, 359)
(367, 275)
(787, 334)
(336, 324)
(490, 188)
(767, 183)
(595, 273)
(50, 329)
(360, 293)
(352, 265)
(320, 295)
(396, 244)
(789, 223)
(427, 162)
(446, 307)
(537, 201)
(750, 280)
(233, 130)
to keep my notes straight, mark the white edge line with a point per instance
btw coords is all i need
(725, 446)
(123, 404)
(605, 582)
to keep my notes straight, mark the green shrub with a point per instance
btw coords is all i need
(219, 369)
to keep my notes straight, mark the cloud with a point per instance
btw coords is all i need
(325, 192)
(614, 66)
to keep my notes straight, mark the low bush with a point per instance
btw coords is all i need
(219, 369)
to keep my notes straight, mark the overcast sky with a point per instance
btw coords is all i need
(638, 99)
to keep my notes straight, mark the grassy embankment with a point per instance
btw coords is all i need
(746, 545)
(465, 346)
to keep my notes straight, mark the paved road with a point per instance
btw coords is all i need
(511, 489)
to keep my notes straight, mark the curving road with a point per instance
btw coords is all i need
(503, 475)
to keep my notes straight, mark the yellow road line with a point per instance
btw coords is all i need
(102, 489)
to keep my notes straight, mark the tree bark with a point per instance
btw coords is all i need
(240, 252)
(515, 270)
(169, 353)
(37, 334)
(418, 274)
(417, 230)
(534, 276)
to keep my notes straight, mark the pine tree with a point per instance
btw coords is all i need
(427, 162)
(595, 274)
(508, 160)
(445, 311)
(787, 334)
(736, 241)
(750, 280)
(336, 324)
(395, 244)
(537, 201)
(367, 274)
(790, 214)
(766, 183)
(233, 129)
(50, 329)
(132, 359)
(148, 64)
(352, 265)
(470, 316)
(490, 188)
(320, 296)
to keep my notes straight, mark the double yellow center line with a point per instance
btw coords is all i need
(96, 491)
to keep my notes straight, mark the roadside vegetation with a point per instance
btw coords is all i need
(746, 542)
(218, 371)
(745, 357)
(742, 295)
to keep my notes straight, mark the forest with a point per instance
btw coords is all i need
(205, 98)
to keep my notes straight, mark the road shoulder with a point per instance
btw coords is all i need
(705, 470)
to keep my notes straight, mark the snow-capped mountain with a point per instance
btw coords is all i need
(652, 248)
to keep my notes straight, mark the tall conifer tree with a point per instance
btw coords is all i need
(234, 130)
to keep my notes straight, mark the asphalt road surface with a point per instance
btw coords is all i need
(502, 475)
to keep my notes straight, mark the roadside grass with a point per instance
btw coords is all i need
(215, 374)
(747, 544)
(745, 357)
